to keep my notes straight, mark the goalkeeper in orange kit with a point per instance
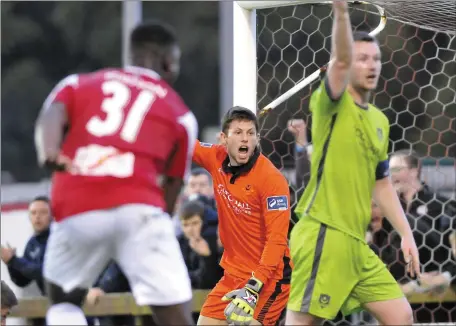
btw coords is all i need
(254, 213)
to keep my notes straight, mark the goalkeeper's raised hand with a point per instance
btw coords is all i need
(241, 309)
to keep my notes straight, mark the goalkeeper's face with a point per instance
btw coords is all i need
(240, 140)
(366, 65)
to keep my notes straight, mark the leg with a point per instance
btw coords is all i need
(271, 304)
(74, 258)
(149, 254)
(301, 318)
(203, 321)
(323, 276)
(391, 312)
(379, 293)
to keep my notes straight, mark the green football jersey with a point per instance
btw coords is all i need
(350, 152)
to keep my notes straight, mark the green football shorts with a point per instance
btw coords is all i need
(334, 272)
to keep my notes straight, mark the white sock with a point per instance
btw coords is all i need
(65, 314)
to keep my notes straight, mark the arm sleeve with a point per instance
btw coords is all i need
(322, 101)
(182, 159)
(204, 155)
(382, 170)
(23, 270)
(63, 93)
(275, 203)
(302, 170)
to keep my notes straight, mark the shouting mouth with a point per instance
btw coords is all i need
(243, 151)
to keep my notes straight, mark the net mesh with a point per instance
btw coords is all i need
(416, 90)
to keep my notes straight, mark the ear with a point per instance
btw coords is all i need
(222, 138)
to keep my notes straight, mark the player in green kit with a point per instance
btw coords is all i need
(334, 267)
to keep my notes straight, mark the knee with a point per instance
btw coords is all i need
(57, 295)
(408, 316)
(300, 318)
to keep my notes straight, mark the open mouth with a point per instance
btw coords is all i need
(371, 77)
(243, 149)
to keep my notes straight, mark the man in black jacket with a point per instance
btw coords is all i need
(199, 248)
(23, 270)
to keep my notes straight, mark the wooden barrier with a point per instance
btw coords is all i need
(124, 304)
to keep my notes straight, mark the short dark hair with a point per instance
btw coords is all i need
(200, 171)
(190, 209)
(9, 299)
(42, 198)
(238, 113)
(362, 36)
(152, 32)
(411, 157)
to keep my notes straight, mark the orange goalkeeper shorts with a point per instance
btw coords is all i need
(272, 301)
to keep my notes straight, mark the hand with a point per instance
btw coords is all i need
(8, 253)
(340, 5)
(93, 296)
(411, 255)
(241, 309)
(200, 246)
(60, 163)
(298, 128)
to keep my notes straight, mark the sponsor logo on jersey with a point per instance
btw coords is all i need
(236, 205)
(277, 203)
(207, 145)
(380, 134)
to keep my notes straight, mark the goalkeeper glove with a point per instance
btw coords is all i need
(243, 303)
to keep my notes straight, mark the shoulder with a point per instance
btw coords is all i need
(379, 115)
(274, 179)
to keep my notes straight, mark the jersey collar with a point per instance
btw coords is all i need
(237, 171)
(145, 71)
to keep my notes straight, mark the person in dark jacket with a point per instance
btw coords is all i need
(199, 249)
(112, 280)
(28, 268)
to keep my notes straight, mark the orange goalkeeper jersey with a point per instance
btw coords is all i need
(254, 215)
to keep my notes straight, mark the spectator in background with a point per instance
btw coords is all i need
(8, 299)
(422, 203)
(303, 152)
(112, 280)
(200, 250)
(200, 183)
(24, 270)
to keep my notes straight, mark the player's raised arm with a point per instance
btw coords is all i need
(53, 117)
(341, 50)
(180, 160)
(203, 154)
(276, 213)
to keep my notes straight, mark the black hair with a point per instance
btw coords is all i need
(191, 208)
(9, 299)
(200, 171)
(42, 198)
(362, 36)
(152, 33)
(238, 113)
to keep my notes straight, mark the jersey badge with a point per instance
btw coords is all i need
(207, 145)
(277, 203)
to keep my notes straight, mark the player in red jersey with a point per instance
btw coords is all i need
(123, 161)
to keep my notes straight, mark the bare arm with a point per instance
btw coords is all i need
(341, 50)
(386, 198)
(171, 190)
(49, 129)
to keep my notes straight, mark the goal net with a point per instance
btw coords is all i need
(416, 90)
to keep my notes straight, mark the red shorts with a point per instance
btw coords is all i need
(272, 301)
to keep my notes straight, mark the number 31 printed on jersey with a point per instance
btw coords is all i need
(115, 106)
(96, 160)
